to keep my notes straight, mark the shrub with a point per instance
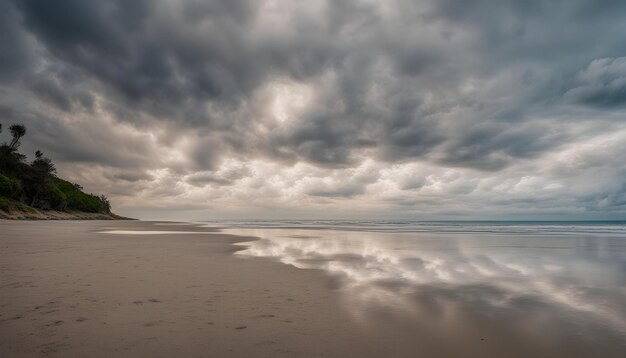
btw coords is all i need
(55, 198)
(8, 205)
(77, 200)
(9, 187)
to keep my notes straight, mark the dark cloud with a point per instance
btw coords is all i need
(188, 84)
(493, 146)
(16, 47)
(228, 176)
(601, 84)
(63, 89)
(343, 191)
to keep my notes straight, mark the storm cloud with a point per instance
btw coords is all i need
(358, 108)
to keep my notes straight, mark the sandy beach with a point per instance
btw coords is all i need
(98, 289)
(67, 291)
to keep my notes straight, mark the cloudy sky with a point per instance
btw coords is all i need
(426, 109)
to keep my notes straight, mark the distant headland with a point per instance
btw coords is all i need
(32, 190)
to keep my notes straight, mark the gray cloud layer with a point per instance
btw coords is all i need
(169, 91)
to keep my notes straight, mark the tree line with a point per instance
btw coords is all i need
(36, 184)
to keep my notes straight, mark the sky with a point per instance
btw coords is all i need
(279, 109)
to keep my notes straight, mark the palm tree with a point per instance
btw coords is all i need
(17, 131)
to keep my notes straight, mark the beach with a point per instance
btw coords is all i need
(68, 291)
(157, 289)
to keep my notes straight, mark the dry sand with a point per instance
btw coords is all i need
(68, 291)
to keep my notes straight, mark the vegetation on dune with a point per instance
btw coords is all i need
(24, 185)
(9, 205)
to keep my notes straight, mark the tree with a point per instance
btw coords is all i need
(107, 204)
(41, 187)
(10, 159)
(42, 164)
(17, 131)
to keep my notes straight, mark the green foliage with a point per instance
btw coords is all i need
(8, 205)
(55, 198)
(43, 164)
(77, 200)
(9, 187)
(36, 185)
(10, 160)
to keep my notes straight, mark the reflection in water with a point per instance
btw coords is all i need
(150, 232)
(555, 295)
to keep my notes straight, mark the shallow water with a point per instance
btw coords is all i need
(518, 289)
(150, 232)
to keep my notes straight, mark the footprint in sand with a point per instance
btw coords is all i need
(56, 323)
(12, 318)
(154, 300)
(51, 347)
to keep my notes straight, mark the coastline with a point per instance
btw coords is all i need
(68, 290)
(35, 214)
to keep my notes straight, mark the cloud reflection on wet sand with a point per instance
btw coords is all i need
(534, 292)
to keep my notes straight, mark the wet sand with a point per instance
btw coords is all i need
(67, 290)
